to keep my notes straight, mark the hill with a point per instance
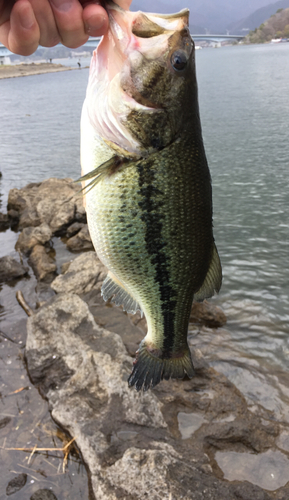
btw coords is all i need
(258, 17)
(277, 26)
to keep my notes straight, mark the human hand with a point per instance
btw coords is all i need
(25, 24)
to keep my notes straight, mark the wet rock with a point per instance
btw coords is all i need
(281, 495)
(4, 421)
(113, 319)
(83, 274)
(80, 241)
(42, 264)
(74, 228)
(44, 292)
(43, 495)
(11, 269)
(4, 222)
(133, 443)
(92, 394)
(16, 484)
(248, 434)
(31, 236)
(13, 216)
(207, 314)
(52, 201)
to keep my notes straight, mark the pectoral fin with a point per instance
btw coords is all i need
(107, 168)
(114, 290)
(213, 280)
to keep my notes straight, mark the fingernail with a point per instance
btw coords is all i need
(27, 20)
(94, 23)
(62, 5)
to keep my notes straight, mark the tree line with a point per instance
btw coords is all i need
(277, 26)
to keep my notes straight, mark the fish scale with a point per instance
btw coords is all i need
(157, 198)
(149, 198)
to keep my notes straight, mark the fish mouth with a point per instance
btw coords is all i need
(118, 95)
(124, 36)
(131, 34)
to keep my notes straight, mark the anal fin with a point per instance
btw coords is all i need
(114, 290)
(213, 280)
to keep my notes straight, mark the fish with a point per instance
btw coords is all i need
(147, 185)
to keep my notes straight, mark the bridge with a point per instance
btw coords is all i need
(94, 41)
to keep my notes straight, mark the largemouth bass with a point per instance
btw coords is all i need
(148, 187)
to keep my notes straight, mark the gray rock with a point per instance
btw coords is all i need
(83, 274)
(16, 484)
(247, 491)
(11, 269)
(136, 446)
(207, 314)
(74, 228)
(43, 495)
(54, 201)
(31, 236)
(42, 264)
(80, 241)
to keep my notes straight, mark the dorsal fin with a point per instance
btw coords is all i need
(213, 280)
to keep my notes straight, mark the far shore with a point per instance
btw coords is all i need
(13, 71)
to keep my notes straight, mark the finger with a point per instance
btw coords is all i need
(125, 4)
(95, 20)
(49, 35)
(21, 34)
(69, 22)
(5, 10)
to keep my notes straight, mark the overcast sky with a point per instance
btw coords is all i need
(211, 14)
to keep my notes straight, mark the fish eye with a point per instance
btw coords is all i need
(179, 60)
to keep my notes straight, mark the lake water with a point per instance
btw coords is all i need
(244, 104)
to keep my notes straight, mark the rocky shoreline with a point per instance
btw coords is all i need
(28, 69)
(180, 440)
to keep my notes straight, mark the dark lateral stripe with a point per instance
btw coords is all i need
(152, 217)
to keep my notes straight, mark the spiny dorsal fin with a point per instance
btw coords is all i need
(112, 288)
(213, 280)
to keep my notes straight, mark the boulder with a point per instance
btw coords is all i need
(80, 241)
(158, 444)
(207, 314)
(54, 201)
(42, 264)
(84, 273)
(31, 236)
(11, 269)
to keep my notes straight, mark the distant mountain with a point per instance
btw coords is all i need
(206, 15)
(258, 17)
(277, 26)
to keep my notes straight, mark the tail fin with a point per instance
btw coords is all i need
(149, 369)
